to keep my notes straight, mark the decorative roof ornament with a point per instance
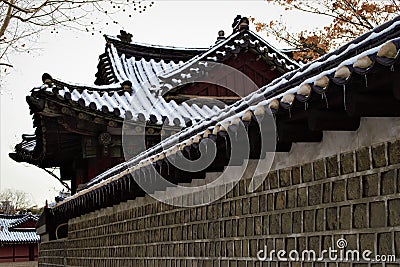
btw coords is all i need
(240, 23)
(127, 86)
(124, 36)
(221, 36)
(47, 79)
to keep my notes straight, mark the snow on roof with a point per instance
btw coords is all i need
(9, 232)
(157, 46)
(142, 101)
(235, 42)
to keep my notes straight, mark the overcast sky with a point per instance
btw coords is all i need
(72, 56)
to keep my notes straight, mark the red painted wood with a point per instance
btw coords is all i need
(258, 71)
(17, 253)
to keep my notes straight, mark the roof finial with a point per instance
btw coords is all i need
(124, 36)
(127, 86)
(221, 36)
(47, 79)
(240, 23)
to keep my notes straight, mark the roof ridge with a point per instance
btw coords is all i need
(115, 38)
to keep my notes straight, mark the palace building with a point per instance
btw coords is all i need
(334, 174)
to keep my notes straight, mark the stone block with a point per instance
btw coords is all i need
(275, 224)
(353, 188)
(226, 211)
(228, 228)
(314, 195)
(397, 243)
(385, 244)
(297, 222)
(363, 159)
(327, 242)
(345, 218)
(246, 206)
(273, 179)
(238, 248)
(245, 249)
(394, 212)
(367, 242)
(339, 191)
(360, 216)
(280, 200)
(307, 172)
(388, 182)
(332, 166)
(265, 225)
(313, 243)
(279, 244)
(309, 220)
(262, 203)
(371, 185)
(331, 218)
(270, 202)
(296, 175)
(352, 242)
(319, 169)
(377, 214)
(258, 226)
(286, 223)
(291, 198)
(398, 181)
(326, 193)
(302, 197)
(254, 205)
(379, 156)
(250, 226)
(346, 163)
(235, 226)
(290, 244)
(320, 220)
(284, 177)
(394, 152)
(242, 227)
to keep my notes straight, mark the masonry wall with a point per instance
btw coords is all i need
(353, 195)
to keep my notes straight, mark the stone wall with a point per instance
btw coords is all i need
(353, 195)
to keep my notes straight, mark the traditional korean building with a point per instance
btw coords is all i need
(78, 127)
(18, 238)
(335, 173)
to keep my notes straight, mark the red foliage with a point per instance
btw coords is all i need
(350, 18)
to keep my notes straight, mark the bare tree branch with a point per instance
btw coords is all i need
(20, 19)
(6, 21)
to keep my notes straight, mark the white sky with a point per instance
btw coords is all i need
(72, 56)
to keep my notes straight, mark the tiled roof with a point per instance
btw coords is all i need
(374, 50)
(138, 51)
(232, 45)
(10, 234)
(139, 105)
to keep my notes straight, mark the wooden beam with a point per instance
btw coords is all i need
(297, 132)
(186, 97)
(372, 105)
(329, 120)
